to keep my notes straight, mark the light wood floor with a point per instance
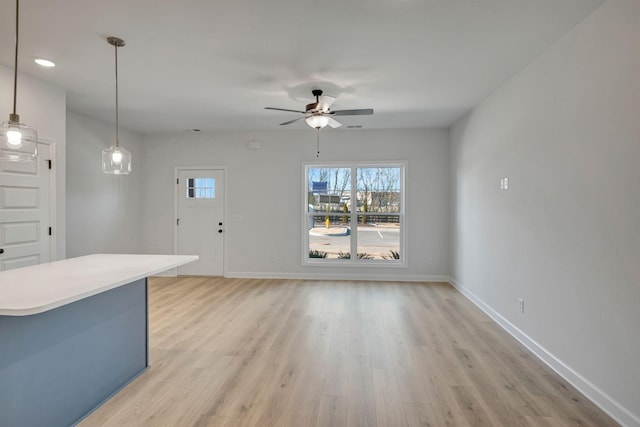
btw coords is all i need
(294, 353)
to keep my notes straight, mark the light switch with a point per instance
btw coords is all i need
(504, 183)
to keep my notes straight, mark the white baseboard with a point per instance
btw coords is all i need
(336, 276)
(592, 392)
(169, 273)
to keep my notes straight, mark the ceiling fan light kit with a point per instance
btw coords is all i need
(18, 142)
(317, 121)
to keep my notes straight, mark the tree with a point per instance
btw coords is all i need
(365, 186)
(342, 181)
(388, 188)
(378, 189)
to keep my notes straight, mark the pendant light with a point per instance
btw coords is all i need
(115, 159)
(18, 142)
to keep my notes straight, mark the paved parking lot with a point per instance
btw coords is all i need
(373, 240)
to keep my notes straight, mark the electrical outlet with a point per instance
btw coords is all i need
(521, 304)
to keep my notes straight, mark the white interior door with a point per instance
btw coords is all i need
(200, 221)
(24, 213)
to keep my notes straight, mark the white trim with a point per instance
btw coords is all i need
(360, 263)
(173, 272)
(52, 198)
(591, 391)
(403, 262)
(336, 276)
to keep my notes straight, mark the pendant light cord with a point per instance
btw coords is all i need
(117, 123)
(15, 68)
(317, 142)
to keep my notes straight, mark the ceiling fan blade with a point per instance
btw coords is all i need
(325, 102)
(291, 121)
(284, 109)
(334, 123)
(361, 112)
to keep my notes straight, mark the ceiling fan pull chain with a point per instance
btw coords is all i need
(318, 143)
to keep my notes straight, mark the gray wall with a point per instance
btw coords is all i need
(264, 188)
(103, 211)
(566, 235)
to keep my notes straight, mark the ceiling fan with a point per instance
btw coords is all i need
(318, 114)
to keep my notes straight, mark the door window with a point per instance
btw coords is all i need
(201, 188)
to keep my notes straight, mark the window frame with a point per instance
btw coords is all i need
(355, 262)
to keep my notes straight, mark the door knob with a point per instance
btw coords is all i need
(219, 231)
(1, 251)
(219, 223)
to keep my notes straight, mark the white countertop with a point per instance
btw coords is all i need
(42, 287)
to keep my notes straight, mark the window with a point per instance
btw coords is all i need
(201, 188)
(353, 214)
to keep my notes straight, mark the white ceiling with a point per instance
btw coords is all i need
(215, 64)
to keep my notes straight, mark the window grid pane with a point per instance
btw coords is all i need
(201, 188)
(379, 237)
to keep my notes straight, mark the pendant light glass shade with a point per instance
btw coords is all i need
(18, 142)
(116, 160)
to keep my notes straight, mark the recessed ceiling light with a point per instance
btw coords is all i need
(44, 62)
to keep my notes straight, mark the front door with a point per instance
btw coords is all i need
(200, 220)
(24, 213)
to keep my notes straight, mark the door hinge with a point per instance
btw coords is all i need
(178, 221)
(50, 231)
(50, 163)
(177, 180)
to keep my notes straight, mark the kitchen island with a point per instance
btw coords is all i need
(73, 333)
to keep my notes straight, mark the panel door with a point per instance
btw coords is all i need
(24, 213)
(200, 220)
